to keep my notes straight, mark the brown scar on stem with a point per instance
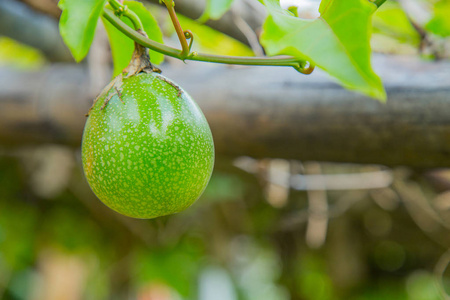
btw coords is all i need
(119, 93)
(117, 82)
(107, 100)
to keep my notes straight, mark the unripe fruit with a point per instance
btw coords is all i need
(147, 149)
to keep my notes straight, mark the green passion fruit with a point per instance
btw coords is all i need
(147, 149)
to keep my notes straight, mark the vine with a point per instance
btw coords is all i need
(122, 10)
(302, 66)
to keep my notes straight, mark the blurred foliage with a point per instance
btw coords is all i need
(215, 9)
(440, 22)
(232, 242)
(392, 30)
(17, 55)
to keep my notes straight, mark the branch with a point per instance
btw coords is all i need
(47, 7)
(19, 22)
(263, 111)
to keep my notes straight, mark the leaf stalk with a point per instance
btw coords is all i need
(170, 4)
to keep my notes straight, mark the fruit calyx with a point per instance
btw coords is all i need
(140, 61)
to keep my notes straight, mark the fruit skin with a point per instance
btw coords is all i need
(149, 152)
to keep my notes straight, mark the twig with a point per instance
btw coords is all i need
(248, 32)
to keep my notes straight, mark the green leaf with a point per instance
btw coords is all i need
(77, 24)
(392, 31)
(440, 22)
(337, 42)
(122, 46)
(215, 9)
(390, 19)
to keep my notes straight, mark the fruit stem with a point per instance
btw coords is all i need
(170, 4)
(122, 10)
(140, 61)
(301, 66)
